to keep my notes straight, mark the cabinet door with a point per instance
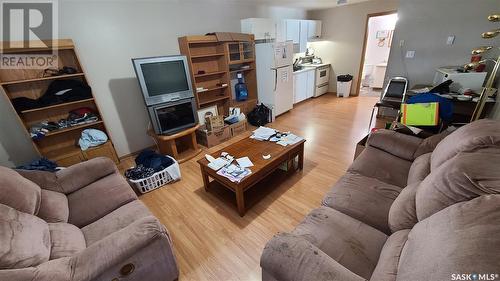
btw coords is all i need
(261, 28)
(300, 86)
(311, 83)
(313, 29)
(303, 36)
(293, 30)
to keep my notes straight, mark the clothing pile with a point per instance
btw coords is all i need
(42, 164)
(148, 162)
(59, 91)
(75, 117)
(91, 138)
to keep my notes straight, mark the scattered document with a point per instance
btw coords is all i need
(263, 133)
(216, 163)
(289, 140)
(234, 173)
(244, 162)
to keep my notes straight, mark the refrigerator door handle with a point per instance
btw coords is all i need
(275, 79)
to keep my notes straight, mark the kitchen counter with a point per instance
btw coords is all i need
(314, 65)
(305, 69)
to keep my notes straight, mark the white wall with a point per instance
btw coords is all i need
(343, 35)
(108, 34)
(275, 12)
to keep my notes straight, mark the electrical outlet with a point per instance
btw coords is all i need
(410, 54)
(401, 43)
(450, 40)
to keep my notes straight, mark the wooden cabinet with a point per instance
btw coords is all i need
(214, 64)
(304, 84)
(261, 28)
(313, 29)
(59, 145)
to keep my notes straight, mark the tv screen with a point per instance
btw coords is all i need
(165, 77)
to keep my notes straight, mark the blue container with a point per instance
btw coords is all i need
(241, 89)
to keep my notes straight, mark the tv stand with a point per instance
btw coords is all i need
(182, 145)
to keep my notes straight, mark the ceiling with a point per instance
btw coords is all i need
(307, 4)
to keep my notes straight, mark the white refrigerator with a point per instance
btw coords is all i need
(275, 75)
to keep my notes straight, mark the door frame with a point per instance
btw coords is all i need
(362, 62)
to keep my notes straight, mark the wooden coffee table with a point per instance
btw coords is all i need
(253, 149)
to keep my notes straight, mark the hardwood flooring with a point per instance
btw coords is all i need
(212, 242)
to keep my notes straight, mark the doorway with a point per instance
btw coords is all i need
(377, 45)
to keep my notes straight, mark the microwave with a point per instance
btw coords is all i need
(172, 117)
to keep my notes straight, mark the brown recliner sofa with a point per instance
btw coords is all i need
(80, 223)
(407, 209)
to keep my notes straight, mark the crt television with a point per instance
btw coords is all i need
(163, 79)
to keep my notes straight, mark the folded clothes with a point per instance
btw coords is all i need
(91, 138)
(139, 172)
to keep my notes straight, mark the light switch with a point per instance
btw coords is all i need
(401, 43)
(450, 40)
(410, 54)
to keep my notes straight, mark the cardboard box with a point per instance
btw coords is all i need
(360, 146)
(238, 128)
(212, 138)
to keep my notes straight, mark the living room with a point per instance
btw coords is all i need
(325, 190)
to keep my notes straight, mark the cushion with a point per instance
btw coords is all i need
(392, 142)
(114, 221)
(476, 135)
(66, 240)
(419, 169)
(387, 266)
(18, 192)
(465, 176)
(381, 165)
(429, 144)
(348, 241)
(54, 207)
(363, 198)
(25, 239)
(92, 202)
(462, 238)
(403, 214)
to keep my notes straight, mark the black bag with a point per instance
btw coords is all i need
(260, 115)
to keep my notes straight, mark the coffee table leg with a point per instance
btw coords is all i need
(205, 178)
(240, 201)
(301, 157)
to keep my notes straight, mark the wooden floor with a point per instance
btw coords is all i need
(212, 242)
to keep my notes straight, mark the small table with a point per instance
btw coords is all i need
(185, 140)
(253, 149)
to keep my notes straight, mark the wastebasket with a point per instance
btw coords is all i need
(344, 83)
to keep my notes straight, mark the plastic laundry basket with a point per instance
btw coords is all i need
(158, 179)
(344, 83)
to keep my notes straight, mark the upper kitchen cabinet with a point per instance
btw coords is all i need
(292, 30)
(313, 29)
(262, 29)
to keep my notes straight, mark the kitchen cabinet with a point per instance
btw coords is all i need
(313, 29)
(303, 36)
(293, 30)
(261, 28)
(311, 83)
(303, 84)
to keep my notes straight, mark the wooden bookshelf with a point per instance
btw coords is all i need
(58, 145)
(213, 63)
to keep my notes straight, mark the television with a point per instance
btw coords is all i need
(163, 79)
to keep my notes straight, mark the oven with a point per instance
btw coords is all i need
(322, 75)
(171, 117)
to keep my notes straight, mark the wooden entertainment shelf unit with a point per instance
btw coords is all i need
(59, 145)
(214, 63)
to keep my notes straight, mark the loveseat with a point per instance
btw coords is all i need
(407, 209)
(80, 223)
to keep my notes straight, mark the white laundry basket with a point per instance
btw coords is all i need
(344, 89)
(170, 174)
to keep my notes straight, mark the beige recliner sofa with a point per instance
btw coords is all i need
(407, 209)
(80, 223)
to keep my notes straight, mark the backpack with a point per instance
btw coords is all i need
(260, 115)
